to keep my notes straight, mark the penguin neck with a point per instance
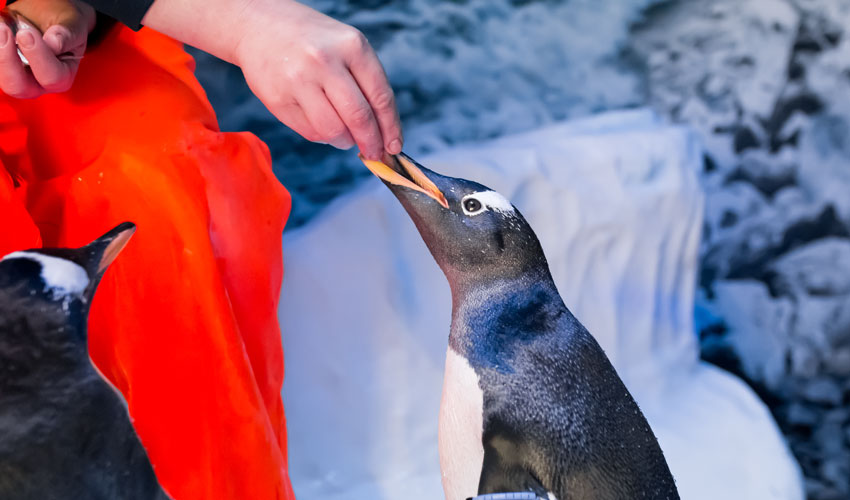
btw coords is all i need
(488, 318)
(32, 346)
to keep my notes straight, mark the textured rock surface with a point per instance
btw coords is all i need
(765, 84)
(615, 202)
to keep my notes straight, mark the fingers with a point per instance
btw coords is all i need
(61, 40)
(329, 80)
(356, 112)
(342, 115)
(68, 35)
(15, 79)
(324, 118)
(372, 80)
(293, 117)
(51, 73)
(45, 72)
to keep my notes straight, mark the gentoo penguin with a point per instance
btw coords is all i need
(64, 431)
(530, 401)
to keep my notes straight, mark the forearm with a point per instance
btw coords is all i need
(214, 26)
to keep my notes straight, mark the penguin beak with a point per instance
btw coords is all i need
(105, 249)
(401, 170)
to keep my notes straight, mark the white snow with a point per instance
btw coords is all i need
(615, 202)
(61, 277)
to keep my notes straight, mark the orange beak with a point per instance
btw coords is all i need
(116, 241)
(392, 170)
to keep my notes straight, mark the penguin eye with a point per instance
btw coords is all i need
(472, 206)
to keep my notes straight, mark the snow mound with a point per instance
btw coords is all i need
(616, 204)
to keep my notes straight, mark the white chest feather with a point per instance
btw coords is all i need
(461, 426)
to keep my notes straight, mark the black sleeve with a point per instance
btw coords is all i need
(129, 12)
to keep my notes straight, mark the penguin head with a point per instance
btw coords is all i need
(473, 232)
(51, 286)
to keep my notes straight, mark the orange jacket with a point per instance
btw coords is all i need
(184, 323)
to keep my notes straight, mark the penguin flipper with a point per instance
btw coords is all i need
(502, 473)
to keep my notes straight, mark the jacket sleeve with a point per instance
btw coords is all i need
(128, 12)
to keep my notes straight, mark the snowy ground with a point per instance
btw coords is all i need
(763, 82)
(616, 204)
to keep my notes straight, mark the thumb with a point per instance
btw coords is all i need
(68, 30)
(63, 40)
(56, 38)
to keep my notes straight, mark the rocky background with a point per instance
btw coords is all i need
(766, 83)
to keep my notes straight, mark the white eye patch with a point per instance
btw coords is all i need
(488, 200)
(62, 277)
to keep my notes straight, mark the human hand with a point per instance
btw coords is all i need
(54, 56)
(321, 78)
(317, 75)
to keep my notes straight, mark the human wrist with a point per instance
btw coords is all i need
(199, 23)
(265, 16)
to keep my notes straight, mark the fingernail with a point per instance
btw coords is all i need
(394, 147)
(59, 40)
(26, 40)
(4, 37)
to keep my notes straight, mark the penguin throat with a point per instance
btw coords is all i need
(488, 320)
(473, 281)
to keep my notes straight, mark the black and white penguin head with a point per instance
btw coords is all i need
(472, 231)
(57, 284)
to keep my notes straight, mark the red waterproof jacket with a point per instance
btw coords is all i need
(184, 323)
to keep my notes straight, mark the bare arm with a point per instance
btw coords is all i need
(315, 74)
